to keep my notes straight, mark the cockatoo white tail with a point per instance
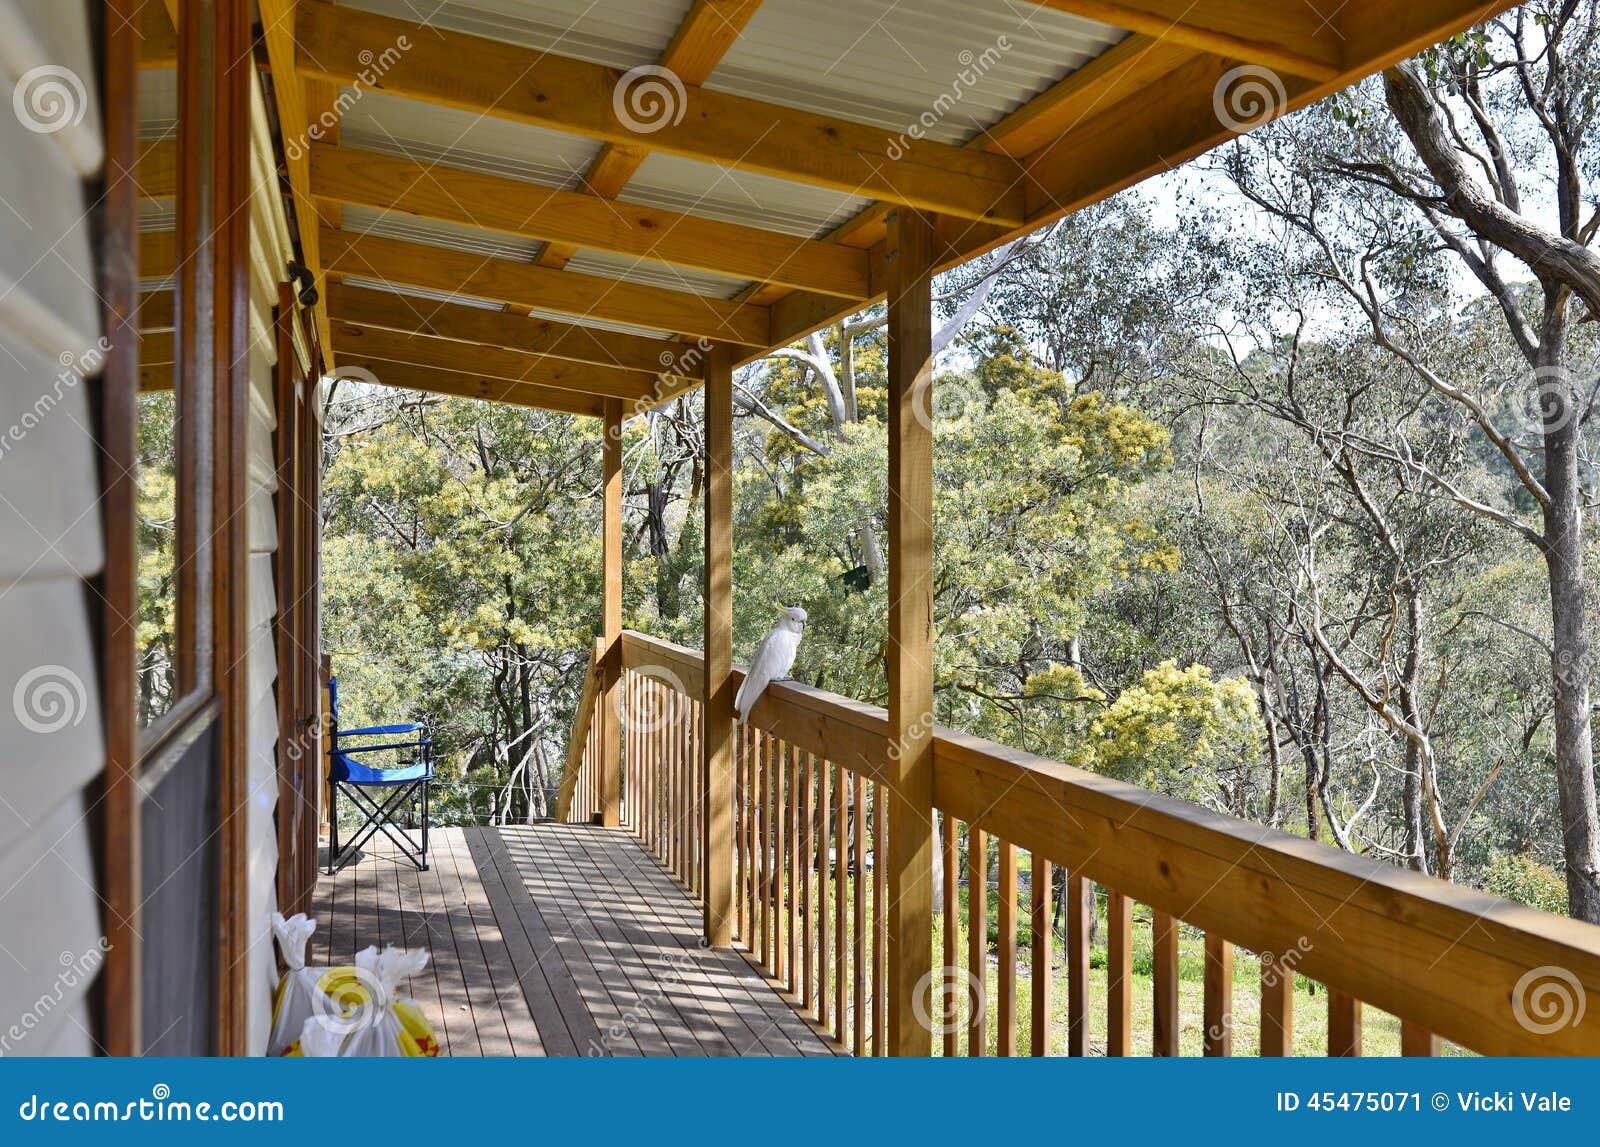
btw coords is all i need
(773, 660)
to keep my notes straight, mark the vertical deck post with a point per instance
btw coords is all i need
(910, 771)
(609, 790)
(717, 744)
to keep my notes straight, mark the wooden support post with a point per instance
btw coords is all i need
(909, 774)
(609, 789)
(720, 729)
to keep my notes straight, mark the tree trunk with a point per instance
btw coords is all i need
(1563, 552)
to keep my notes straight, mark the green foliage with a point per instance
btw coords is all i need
(1525, 880)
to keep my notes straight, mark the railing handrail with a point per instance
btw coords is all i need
(581, 720)
(1447, 957)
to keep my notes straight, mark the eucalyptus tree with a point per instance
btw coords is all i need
(1475, 163)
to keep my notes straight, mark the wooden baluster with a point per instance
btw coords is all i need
(824, 886)
(978, 938)
(1165, 950)
(1219, 996)
(741, 819)
(751, 798)
(858, 844)
(952, 942)
(1277, 1007)
(792, 885)
(764, 871)
(1418, 1040)
(1006, 1004)
(780, 863)
(841, 900)
(697, 803)
(1344, 1024)
(808, 845)
(1042, 951)
(1080, 909)
(880, 921)
(1119, 974)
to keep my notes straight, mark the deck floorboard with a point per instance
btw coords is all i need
(556, 940)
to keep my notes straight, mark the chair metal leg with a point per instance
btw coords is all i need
(425, 825)
(333, 826)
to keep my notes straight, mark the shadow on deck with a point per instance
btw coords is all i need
(556, 939)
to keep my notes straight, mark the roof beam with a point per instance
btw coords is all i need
(525, 284)
(360, 342)
(704, 37)
(465, 384)
(1289, 36)
(413, 314)
(516, 207)
(491, 78)
(158, 39)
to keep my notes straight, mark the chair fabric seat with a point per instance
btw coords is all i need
(352, 772)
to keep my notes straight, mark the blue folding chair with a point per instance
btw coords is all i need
(398, 785)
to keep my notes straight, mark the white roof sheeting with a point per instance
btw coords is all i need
(886, 62)
(694, 187)
(616, 33)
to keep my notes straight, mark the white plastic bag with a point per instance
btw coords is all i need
(367, 1010)
(295, 1001)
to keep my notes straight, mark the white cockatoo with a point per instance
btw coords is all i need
(773, 659)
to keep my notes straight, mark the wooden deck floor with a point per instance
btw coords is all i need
(556, 940)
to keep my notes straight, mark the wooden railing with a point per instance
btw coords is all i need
(578, 796)
(1487, 974)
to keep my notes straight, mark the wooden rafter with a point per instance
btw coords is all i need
(1292, 37)
(704, 37)
(158, 39)
(475, 325)
(486, 388)
(540, 88)
(433, 191)
(524, 284)
(558, 374)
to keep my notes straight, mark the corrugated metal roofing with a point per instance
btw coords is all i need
(887, 62)
(616, 33)
(455, 236)
(695, 187)
(632, 270)
(431, 133)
